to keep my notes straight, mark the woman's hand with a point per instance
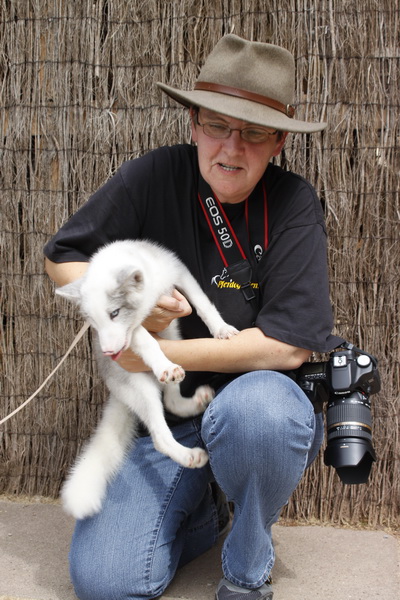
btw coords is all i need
(167, 309)
(132, 362)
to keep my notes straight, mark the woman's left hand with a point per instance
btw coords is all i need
(167, 309)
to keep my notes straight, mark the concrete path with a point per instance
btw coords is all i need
(313, 562)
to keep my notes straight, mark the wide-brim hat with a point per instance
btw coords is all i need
(250, 81)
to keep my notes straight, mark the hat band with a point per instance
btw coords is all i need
(287, 109)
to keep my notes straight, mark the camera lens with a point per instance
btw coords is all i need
(349, 427)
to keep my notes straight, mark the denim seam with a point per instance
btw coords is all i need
(213, 520)
(154, 537)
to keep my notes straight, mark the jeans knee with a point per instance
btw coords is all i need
(90, 579)
(261, 423)
(100, 579)
(257, 407)
(101, 587)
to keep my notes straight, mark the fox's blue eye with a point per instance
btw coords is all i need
(114, 313)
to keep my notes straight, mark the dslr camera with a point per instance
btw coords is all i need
(346, 381)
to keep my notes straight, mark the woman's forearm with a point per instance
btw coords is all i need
(250, 350)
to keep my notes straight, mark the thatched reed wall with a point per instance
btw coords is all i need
(77, 97)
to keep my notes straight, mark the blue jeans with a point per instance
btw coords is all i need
(261, 433)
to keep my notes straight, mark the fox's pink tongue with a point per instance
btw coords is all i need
(116, 356)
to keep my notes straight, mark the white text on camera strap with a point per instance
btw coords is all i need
(228, 245)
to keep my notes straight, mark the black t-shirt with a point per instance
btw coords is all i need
(156, 197)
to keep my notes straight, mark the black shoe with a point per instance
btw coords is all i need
(228, 591)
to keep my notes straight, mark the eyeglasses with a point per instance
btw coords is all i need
(254, 135)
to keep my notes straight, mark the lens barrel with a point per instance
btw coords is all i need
(349, 417)
(349, 444)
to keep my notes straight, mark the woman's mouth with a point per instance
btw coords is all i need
(228, 168)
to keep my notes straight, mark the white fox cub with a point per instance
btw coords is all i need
(121, 286)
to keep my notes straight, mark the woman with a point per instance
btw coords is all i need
(254, 237)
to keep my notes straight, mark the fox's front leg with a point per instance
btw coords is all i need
(149, 350)
(206, 310)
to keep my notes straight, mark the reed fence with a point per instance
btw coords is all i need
(78, 97)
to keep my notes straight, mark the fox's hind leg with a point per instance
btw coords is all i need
(145, 400)
(187, 407)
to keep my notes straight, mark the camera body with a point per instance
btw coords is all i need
(346, 381)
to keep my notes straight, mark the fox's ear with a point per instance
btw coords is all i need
(130, 278)
(71, 291)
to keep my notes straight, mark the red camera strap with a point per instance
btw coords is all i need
(228, 245)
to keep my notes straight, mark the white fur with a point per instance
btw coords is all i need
(123, 282)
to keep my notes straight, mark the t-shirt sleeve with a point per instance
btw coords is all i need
(293, 275)
(108, 215)
(147, 198)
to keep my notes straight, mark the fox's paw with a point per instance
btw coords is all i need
(203, 396)
(225, 332)
(196, 458)
(173, 374)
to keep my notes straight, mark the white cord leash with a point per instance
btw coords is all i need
(74, 343)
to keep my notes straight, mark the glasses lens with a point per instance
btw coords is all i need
(256, 136)
(216, 130)
(248, 134)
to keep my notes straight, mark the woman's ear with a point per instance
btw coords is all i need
(280, 143)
